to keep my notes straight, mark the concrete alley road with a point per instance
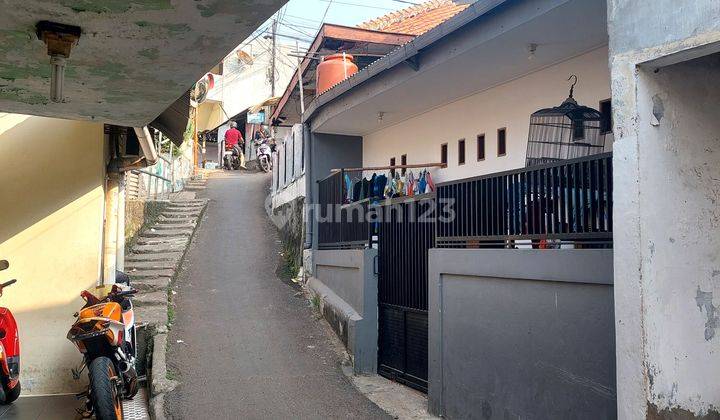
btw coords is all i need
(252, 347)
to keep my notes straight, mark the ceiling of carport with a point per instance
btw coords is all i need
(133, 60)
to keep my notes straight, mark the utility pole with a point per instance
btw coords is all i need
(272, 65)
(300, 81)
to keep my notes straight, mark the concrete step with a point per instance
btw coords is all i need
(182, 210)
(166, 256)
(149, 265)
(160, 233)
(181, 224)
(151, 299)
(151, 285)
(189, 201)
(144, 274)
(151, 314)
(179, 215)
(175, 207)
(161, 248)
(171, 240)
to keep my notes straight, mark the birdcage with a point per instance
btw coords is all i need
(564, 132)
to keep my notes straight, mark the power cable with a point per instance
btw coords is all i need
(358, 5)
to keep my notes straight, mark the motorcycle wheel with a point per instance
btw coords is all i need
(105, 398)
(264, 165)
(10, 395)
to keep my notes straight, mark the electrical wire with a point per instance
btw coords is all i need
(357, 5)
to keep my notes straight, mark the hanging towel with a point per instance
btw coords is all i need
(422, 183)
(410, 186)
(357, 191)
(430, 183)
(400, 185)
(348, 189)
(380, 183)
(365, 189)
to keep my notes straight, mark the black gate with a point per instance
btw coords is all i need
(405, 234)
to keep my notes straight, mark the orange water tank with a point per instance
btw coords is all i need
(333, 69)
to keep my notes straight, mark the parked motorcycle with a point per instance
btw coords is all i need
(9, 350)
(104, 332)
(264, 154)
(231, 160)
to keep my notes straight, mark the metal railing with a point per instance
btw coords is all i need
(339, 226)
(167, 176)
(542, 206)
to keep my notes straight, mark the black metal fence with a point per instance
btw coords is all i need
(545, 206)
(405, 234)
(340, 226)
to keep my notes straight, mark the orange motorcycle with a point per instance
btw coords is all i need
(105, 333)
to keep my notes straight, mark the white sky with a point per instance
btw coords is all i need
(302, 18)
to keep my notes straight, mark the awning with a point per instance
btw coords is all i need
(268, 102)
(174, 120)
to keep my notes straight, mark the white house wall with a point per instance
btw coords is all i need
(244, 85)
(508, 105)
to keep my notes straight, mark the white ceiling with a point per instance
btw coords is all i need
(566, 31)
(134, 58)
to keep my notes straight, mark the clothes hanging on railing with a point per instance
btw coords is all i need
(382, 185)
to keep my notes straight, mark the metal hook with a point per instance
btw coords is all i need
(572, 87)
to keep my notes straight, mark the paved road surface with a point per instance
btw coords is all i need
(252, 349)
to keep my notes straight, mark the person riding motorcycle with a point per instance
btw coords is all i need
(234, 140)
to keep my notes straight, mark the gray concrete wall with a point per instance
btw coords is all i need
(346, 282)
(665, 206)
(521, 334)
(328, 152)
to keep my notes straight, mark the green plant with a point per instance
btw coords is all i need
(315, 302)
(171, 375)
(170, 313)
(291, 261)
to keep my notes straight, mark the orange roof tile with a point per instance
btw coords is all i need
(416, 20)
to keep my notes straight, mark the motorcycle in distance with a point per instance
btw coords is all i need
(231, 160)
(264, 154)
(9, 350)
(104, 332)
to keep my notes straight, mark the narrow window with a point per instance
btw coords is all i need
(403, 162)
(392, 170)
(606, 119)
(461, 152)
(501, 142)
(443, 153)
(481, 147)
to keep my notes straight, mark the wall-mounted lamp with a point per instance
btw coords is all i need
(60, 39)
(531, 48)
(380, 117)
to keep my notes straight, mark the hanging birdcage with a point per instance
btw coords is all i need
(564, 132)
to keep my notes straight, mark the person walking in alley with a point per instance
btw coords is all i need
(234, 141)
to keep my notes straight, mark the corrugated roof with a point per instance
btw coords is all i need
(416, 20)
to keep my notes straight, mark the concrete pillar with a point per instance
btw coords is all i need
(120, 245)
(110, 228)
(667, 235)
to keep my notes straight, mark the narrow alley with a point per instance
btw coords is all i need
(244, 344)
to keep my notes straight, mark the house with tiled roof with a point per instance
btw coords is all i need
(367, 41)
(468, 126)
(417, 19)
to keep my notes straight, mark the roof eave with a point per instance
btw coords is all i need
(402, 54)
